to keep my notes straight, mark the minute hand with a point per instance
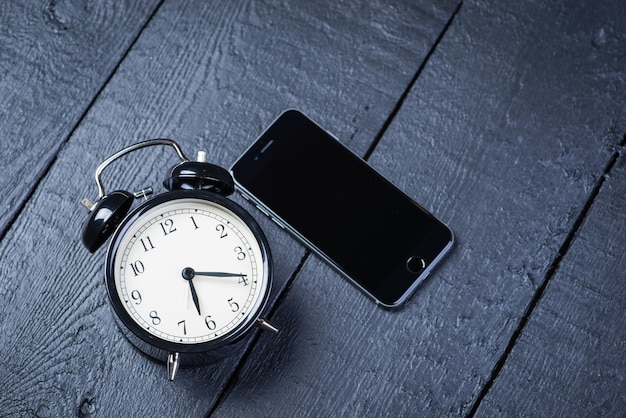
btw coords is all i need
(219, 274)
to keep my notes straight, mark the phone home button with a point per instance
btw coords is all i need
(415, 264)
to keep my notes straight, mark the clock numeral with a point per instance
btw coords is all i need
(194, 222)
(222, 230)
(136, 296)
(210, 324)
(155, 318)
(233, 305)
(137, 267)
(242, 279)
(241, 255)
(147, 244)
(167, 226)
(184, 326)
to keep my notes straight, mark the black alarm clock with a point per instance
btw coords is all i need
(188, 271)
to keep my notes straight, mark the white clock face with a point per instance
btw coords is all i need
(189, 271)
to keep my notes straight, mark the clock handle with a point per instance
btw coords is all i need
(129, 149)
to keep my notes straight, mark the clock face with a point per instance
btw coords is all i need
(187, 271)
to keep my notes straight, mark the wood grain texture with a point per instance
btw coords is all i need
(54, 58)
(504, 136)
(211, 75)
(569, 360)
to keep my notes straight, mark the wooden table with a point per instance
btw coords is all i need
(505, 119)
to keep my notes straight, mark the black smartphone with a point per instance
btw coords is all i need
(341, 208)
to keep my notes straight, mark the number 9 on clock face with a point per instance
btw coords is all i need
(188, 271)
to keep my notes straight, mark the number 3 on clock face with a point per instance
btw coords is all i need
(187, 272)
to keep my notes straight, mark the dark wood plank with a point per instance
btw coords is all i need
(569, 360)
(211, 75)
(505, 135)
(54, 58)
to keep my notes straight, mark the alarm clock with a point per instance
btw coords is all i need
(188, 271)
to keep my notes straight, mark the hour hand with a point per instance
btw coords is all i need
(194, 296)
(188, 275)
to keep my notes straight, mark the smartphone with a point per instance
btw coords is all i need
(341, 208)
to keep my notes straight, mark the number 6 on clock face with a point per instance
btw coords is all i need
(188, 271)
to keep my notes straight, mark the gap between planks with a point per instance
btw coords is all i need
(554, 267)
(231, 381)
(44, 172)
(409, 86)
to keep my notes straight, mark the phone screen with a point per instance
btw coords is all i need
(341, 208)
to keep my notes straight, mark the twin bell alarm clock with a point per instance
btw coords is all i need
(188, 271)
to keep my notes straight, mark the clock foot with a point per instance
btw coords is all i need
(173, 361)
(266, 326)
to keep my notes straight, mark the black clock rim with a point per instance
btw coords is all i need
(117, 305)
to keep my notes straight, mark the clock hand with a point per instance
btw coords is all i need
(194, 296)
(188, 274)
(218, 274)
